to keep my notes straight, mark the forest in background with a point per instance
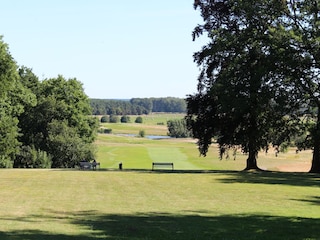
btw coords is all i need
(137, 106)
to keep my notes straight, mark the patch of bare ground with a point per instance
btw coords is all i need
(294, 167)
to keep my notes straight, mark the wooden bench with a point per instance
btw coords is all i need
(89, 165)
(162, 164)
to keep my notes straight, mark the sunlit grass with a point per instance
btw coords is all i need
(203, 198)
(62, 204)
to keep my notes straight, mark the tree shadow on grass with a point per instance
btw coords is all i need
(315, 200)
(142, 226)
(268, 177)
(255, 177)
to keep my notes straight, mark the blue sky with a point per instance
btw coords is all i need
(117, 49)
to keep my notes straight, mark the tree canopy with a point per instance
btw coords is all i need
(14, 98)
(42, 123)
(243, 99)
(137, 106)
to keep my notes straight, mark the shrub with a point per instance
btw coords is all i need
(142, 133)
(113, 119)
(138, 120)
(178, 129)
(125, 119)
(5, 162)
(107, 130)
(104, 119)
(29, 157)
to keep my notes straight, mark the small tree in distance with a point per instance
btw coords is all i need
(104, 119)
(114, 119)
(139, 120)
(125, 119)
(142, 133)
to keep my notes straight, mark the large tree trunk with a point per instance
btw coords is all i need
(252, 145)
(315, 166)
(252, 161)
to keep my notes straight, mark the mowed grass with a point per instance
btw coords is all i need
(203, 198)
(153, 124)
(139, 153)
(63, 204)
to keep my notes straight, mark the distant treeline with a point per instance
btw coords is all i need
(137, 106)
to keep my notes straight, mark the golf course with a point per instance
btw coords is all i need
(202, 198)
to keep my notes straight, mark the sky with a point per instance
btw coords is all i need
(117, 49)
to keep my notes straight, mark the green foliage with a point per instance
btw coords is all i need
(241, 99)
(107, 130)
(14, 98)
(142, 133)
(139, 120)
(29, 157)
(301, 62)
(137, 106)
(104, 119)
(178, 129)
(114, 119)
(125, 119)
(61, 104)
(31, 113)
(5, 162)
(66, 145)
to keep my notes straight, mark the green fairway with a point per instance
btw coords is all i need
(139, 153)
(62, 204)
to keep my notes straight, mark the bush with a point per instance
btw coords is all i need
(113, 119)
(5, 162)
(104, 119)
(138, 120)
(107, 130)
(142, 133)
(125, 119)
(178, 129)
(29, 157)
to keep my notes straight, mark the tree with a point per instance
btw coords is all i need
(60, 124)
(178, 128)
(300, 38)
(104, 119)
(138, 120)
(241, 99)
(113, 119)
(67, 145)
(125, 119)
(14, 98)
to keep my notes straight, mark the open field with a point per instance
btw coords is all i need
(153, 124)
(203, 198)
(139, 153)
(62, 204)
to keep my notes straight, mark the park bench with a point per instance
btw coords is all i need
(89, 165)
(162, 164)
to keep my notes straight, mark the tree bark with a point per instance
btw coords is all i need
(315, 165)
(252, 161)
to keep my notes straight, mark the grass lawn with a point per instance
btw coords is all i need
(203, 198)
(139, 153)
(62, 204)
